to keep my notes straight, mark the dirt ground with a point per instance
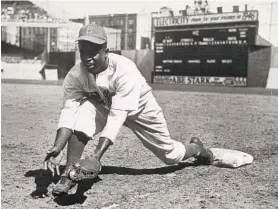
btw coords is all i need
(132, 177)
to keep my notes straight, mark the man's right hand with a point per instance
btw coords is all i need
(53, 159)
(55, 154)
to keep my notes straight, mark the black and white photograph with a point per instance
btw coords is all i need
(139, 104)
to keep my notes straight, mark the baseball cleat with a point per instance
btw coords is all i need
(63, 186)
(205, 156)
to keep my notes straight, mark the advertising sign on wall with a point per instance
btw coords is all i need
(200, 80)
(246, 16)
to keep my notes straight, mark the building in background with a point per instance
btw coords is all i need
(125, 22)
(135, 28)
(199, 7)
(163, 12)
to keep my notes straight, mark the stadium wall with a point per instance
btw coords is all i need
(63, 60)
(258, 66)
(274, 57)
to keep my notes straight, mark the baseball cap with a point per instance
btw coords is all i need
(93, 33)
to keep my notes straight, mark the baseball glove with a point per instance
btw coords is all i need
(85, 169)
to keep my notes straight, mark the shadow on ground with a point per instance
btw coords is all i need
(147, 171)
(79, 196)
(44, 178)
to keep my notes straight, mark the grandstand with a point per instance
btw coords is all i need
(24, 11)
(29, 34)
(28, 26)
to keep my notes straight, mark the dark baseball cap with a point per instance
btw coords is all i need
(93, 33)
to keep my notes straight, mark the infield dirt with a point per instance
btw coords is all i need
(132, 177)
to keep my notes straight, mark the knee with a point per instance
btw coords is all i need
(174, 155)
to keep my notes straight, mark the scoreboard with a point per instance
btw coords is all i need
(202, 56)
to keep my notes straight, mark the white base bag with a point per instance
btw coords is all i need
(230, 158)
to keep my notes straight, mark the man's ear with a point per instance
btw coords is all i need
(106, 50)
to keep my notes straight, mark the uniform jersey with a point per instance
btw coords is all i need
(121, 79)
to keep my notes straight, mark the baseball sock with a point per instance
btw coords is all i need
(192, 150)
(76, 146)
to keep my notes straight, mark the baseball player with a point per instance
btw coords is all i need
(101, 94)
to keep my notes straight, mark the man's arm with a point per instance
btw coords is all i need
(72, 94)
(54, 155)
(103, 144)
(108, 135)
(62, 137)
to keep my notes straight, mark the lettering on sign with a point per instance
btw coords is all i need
(172, 61)
(201, 80)
(251, 15)
(194, 61)
(227, 61)
(211, 61)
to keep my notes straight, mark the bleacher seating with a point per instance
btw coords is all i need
(24, 11)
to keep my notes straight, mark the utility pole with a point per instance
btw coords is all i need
(270, 23)
(126, 31)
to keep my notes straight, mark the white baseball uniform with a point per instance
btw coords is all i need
(130, 101)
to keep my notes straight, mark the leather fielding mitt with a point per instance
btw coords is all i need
(85, 169)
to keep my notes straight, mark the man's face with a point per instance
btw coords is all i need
(92, 56)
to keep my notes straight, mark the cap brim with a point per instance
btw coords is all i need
(94, 40)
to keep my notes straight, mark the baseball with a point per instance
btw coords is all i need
(72, 174)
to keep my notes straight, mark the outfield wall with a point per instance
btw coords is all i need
(144, 59)
(28, 71)
(258, 66)
(272, 81)
(274, 57)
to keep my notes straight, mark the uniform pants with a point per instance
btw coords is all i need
(148, 124)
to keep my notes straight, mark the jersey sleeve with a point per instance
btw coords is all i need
(127, 93)
(126, 98)
(71, 102)
(72, 88)
(114, 122)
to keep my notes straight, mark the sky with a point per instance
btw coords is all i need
(95, 7)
